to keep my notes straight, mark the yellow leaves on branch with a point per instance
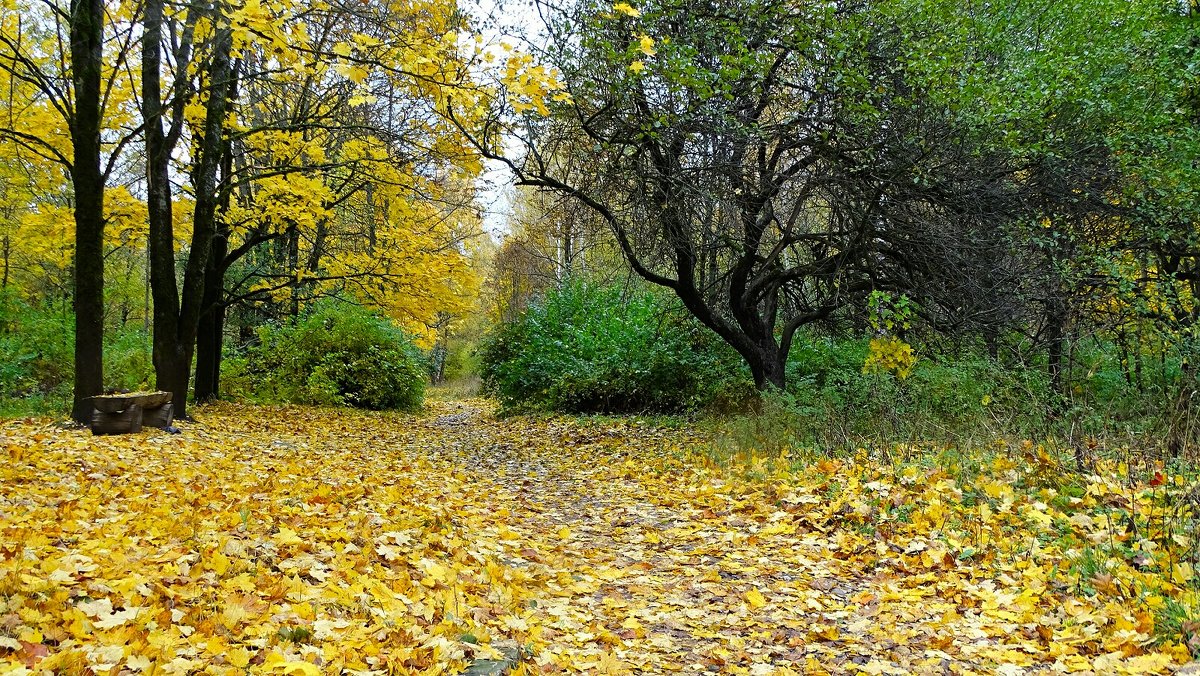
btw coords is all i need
(889, 354)
(646, 45)
(528, 85)
(626, 9)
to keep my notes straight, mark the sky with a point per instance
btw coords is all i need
(497, 19)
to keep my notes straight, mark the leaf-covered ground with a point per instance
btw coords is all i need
(306, 541)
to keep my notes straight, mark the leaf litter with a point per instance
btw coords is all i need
(307, 541)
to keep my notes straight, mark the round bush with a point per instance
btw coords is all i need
(342, 355)
(585, 348)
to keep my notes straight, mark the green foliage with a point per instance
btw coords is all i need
(1176, 621)
(36, 350)
(586, 348)
(960, 397)
(128, 362)
(1133, 392)
(462, 359)
(335, 355)
(888, 313)
(37, 353)
(831, 403)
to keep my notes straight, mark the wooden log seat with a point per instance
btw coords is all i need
(128, 413)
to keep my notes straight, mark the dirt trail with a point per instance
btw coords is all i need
(655, 562)
(654, 569)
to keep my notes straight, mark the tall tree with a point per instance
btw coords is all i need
(177, 309)
(87, 180)
(64, 79)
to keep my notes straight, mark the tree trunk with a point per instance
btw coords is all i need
(211, 329)
(177, 315)
(209, 159)
(87, 181)
(1056, 320)
(163, 287)
(293, 263)
(210, 342)
(768, 367)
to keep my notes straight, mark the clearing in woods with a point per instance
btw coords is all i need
(290, 540)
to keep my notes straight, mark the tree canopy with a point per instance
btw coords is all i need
(775, 163)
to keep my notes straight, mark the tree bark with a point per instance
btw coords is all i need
(293, 264)
(210, 158)
(87, 181)
(210, 332)
(768, 367)
(163, 286)
(177, 312)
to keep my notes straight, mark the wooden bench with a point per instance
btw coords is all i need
(126, 413)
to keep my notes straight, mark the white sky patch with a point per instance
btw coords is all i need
(514, 22)
(495, 192)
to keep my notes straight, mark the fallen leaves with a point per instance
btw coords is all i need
(279, 543)
(300, 541)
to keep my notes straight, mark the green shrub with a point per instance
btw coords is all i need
(833, 403)
(36, 350)
(586, 348)
(128, 360)
(341, 355)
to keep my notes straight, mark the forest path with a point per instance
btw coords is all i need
(294, 540)
(651, 559)
(654, 563)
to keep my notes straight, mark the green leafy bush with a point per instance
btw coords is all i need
(341, 355)
(128, 361)
(833, 401)
(587, 348)
(36, 350)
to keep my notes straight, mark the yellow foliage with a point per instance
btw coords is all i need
(626, 9)
(646, 45)
(889, 354)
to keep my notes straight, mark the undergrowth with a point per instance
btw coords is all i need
(37, 354)
(335, 355)
(1116, 518)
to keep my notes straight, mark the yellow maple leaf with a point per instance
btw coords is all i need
(626, 9)
(637, 66)
(286, 536)
(297, 668)
(219, 563)
(1182, 573)
(238, 657)
(755, 599)
(646, 45)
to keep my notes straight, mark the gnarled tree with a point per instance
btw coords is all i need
(769, 162)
